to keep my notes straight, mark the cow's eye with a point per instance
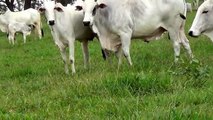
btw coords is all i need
(205, 11)
(79, 8)
(94, 11)
(42, 10)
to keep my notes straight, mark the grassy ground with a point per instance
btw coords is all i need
(33, 84)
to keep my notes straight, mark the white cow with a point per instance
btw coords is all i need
(118, 21)
(66, 27)
(29, 16)
(15, 27)
(203, 22)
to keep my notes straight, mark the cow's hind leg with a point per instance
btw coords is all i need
(85, 53)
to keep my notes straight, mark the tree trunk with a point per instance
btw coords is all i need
(19, 4)
(63, 2)
(10, 4)
(27, 4)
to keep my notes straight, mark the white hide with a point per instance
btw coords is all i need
(66, 27)
(203, 21)
(29, 17)
(15, 27)
(117, 22)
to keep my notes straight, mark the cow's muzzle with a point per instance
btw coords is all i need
(191, 33)
(86, 23)
(52, 22)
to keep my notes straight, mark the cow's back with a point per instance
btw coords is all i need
(29, 16)
(143, 16)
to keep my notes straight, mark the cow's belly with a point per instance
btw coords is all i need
(152, 35)
(148, 31)
(110, 42)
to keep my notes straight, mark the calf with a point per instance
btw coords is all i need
(18, 27)
(66, 26)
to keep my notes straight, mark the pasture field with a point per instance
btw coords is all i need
(33, 84)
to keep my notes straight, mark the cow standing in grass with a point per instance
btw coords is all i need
(118, 21)
(15, 27)
(203, 22)
(28, 17)
(66, 27)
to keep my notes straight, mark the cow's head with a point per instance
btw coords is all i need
(203, 20)
(48, 9)
(90, 8)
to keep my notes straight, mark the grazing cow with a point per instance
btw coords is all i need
(203, 22)
(29, 17)
(18, 27)
(116, 22)
(66, 26)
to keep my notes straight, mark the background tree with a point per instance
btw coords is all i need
(9, 4)
(27, 4)
(65, 2)
(19, 5)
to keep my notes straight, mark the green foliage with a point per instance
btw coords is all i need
(195, 72)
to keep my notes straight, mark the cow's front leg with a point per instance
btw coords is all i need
(24, 37)
(126, 42)
(64, 57)
(186, 45)
(85, 50)
(176, 44)
(12, 38)
(71, 55)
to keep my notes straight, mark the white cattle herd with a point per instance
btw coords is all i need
(114, 22)
(12, 22)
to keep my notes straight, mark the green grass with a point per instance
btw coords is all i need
(33, 84)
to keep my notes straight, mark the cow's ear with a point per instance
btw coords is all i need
(102, 5)
(58, 9)
(78, 8)
(41, 10)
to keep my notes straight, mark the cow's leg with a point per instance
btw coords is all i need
(38, 29)
(126, 41)
(186, 45)
(119, 54)
(85, 53)
(62, 49)
(71, 54)
(13, 38)
(9, 38)
(176, 44)
(24, 37)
